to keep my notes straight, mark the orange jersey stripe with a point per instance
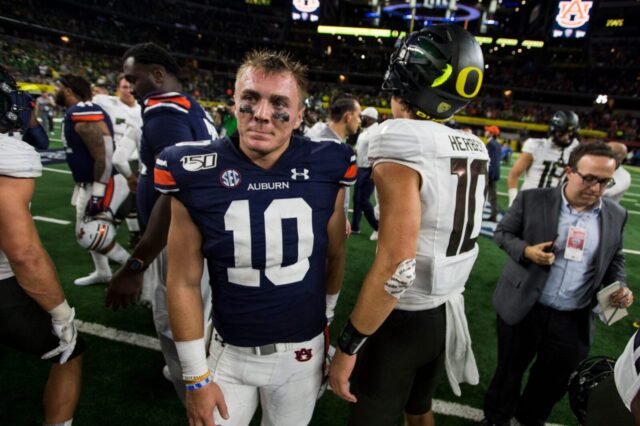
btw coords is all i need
(351, 172)
(163, 177)
(182, 101)
(96, 117)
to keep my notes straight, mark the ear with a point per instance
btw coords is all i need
(568, 170)
(158, 74)
(299, 116)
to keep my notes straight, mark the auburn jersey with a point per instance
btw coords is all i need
(453, 169)
(168, 118)
(549, 161)
(78, 157)
(264, 232)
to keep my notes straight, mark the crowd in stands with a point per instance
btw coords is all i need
(187, 30)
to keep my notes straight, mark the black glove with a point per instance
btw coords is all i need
(95, 206)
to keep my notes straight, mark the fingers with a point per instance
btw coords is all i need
(622, 298)
(341, 389)
(222, 408)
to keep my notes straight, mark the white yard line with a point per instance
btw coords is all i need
(629, 251)
(50, 169)
(51, 220)
(127, 337)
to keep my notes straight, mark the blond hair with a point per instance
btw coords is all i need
(276, 62)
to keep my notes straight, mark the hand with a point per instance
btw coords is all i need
(132, 182)
(341, 368)
(348, 228)
(623, 298)
(202, 402)
(66, 331)
(537, 255)
(124, 289)
(95, 206)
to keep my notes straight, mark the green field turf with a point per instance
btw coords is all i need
(123, 384)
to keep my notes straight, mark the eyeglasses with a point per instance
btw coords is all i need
(591, 180)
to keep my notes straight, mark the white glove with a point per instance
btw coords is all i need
(62, 320)
(513, 193)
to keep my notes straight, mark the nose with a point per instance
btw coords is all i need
(262, 110)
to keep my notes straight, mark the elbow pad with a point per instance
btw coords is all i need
(402, 278)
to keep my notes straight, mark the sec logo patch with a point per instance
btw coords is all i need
(230, 178)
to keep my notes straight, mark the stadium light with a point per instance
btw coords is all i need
(359, 31)
(507, 42)
(65, 39)
(602, 99)
(532, 43)
(484, 40)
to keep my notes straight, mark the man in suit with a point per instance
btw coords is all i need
(563, 244)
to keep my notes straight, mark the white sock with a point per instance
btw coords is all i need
(118, 254)
(132, 224)
(67, 423)
(101, 263)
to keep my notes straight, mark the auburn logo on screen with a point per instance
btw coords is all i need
(573, 13)
(306, 5)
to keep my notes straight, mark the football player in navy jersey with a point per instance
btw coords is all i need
(265, 211)
(169, 116)
(100, 190)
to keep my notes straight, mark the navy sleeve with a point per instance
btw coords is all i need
(495, 153)
(163, 130)
(36, 137)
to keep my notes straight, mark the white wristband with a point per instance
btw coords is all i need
(98, 189)
(193, 358)
(61, 313)
(513, 193)
(332, 301)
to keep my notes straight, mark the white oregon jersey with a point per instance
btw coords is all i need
(623, 182)
(18, 160)
(119, 113)
(627, 371)
(453, 169)
(549, 161)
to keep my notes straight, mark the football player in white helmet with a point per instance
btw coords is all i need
(35, 317)
(431, 183)
(99, 189)
(543, 161)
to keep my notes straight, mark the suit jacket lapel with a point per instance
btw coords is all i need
(605, 227)
(552, 213)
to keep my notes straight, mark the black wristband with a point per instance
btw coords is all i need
(351, 340)
(136, 265)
